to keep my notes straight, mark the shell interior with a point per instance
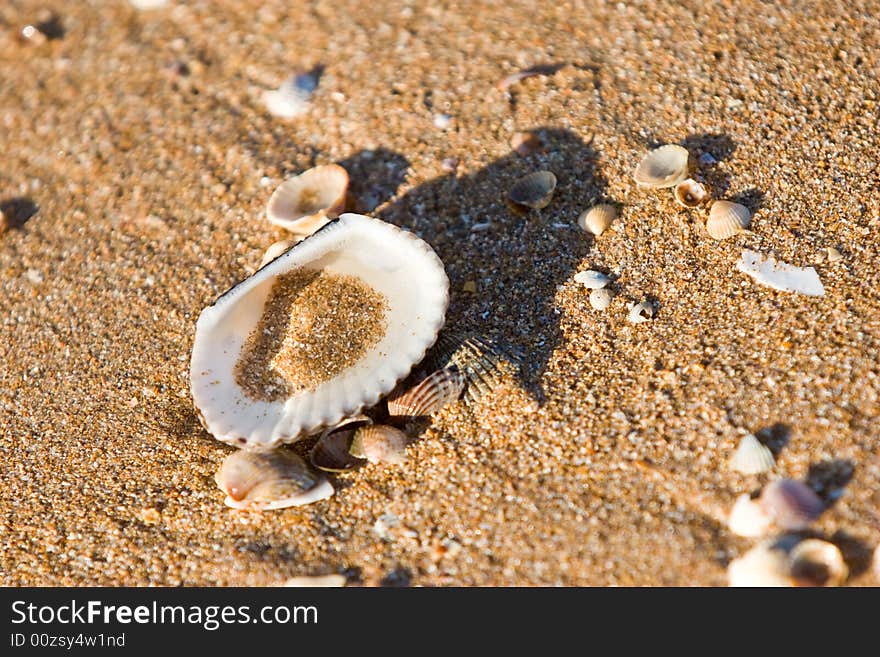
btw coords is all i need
(665, 166)
(534, 190)
(304, 203)
(243, 397)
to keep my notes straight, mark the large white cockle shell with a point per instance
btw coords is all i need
(392, 261)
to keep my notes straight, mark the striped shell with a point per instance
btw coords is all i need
(817, 563)
(751, 457)
(663, 167)
(379, 443)
(332, 452)
(482, 361)
(792, 505)
(690, 193)
(272, 479)
(748, 518)
(428, 396)
(727, 219)
(304, 203)
(598, 218)
(534, 190)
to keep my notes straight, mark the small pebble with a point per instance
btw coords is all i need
(35, 276)
(706, 158)
(449, 164)
(316, 581)
(470, 286)
(600, 298)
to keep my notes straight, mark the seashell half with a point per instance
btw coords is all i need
(598, 218)
(379, 443)
(727, 219)
(690, 193)
(592, 279)
(272, 479)
(324, 330)
(815, 562)
(482, 361)
(428, 396)
(663, 167)
(751, 457)
(792, 505)
(534, 190)
(332, 452)
(304, 203)
(748, 518)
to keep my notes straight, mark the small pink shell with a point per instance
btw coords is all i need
(792, 505)
(379, 443)
(436, 391)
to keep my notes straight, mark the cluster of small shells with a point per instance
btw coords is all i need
(467, 366)
(785, 505)
(670, 166)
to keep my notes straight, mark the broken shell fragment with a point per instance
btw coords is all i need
(275, 250)
(791, 504)
(439, 389)
(332, 452)
(641, 312)
(814, 562)
(748, 518)
(482, 361)
(272, 479)
(727, 219)
(600, 299)
(766, 270)
(663, 167)
(321, 332)
(592, 279)
(379, 443)
(534, 190)
(598, 218)
(690, 193)
(751, 457)
(304, 203)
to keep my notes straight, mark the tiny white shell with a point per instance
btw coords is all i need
(304, 203)
(600, 299)
(292, 97)
(690, 193)
(592, 279)
(598, 218)
(814, 562)
(275, 250)
(751, 457)
(642, 311)
(766, 564)
(663, 167)
(748, 518)
(727, 219)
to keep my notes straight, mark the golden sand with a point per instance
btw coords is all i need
(314, 326)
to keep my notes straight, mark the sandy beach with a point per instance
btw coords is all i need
(138, 158)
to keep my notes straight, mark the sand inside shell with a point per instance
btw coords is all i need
(315, 324)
